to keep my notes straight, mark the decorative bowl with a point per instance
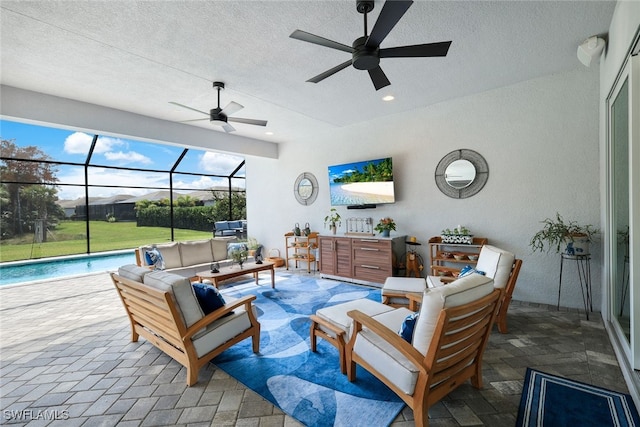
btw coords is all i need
(459, 257)
(473, 257)
(446, 254)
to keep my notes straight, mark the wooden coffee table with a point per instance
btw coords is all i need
(235, 271)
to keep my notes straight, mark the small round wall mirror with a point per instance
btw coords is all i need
(462, 173)
(306, 188)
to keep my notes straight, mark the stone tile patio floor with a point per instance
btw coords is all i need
(65, 353)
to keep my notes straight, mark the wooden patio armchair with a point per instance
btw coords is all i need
(449, 339)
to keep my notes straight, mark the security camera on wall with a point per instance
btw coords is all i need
(590, 50)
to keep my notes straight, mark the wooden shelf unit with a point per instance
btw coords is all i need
(447, 267)
(301, 249)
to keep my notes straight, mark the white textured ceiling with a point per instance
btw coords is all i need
(138, 56)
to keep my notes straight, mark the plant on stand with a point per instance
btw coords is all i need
(564, 236)
(239, 255)
(333, 219)
(385, 225)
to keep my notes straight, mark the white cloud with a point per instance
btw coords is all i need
(77, 143)
(80, 142)
(218, 163)
(205, 183)
(128, 157)
(106, 144)
(103, 176)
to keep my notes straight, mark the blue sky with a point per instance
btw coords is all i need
(73, 146)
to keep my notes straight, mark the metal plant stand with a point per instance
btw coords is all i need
(583, 264)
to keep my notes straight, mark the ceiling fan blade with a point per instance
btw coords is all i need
(231, 108)
(379, 78)
(193, 120)
(247, 121)
(228, 128)
(415, 51)
(187, 107)
(329, 73)
(391, 12)
(312, 38)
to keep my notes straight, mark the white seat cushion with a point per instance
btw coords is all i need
(222, 330)
(383, 356)
(459, 292)
(434, 282)
(496, 264)
(404, 285)
(337, 314)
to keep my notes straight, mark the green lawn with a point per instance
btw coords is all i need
(69, 237)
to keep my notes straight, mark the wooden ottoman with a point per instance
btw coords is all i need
(395, 289)
(334, 325)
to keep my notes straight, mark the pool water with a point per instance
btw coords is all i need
(62, 267)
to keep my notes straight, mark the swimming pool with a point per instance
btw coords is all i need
(12, 273)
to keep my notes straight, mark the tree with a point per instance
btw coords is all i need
(221, 206)
(185, 201)
(21, 173)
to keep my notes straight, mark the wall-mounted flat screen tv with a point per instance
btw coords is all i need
(362, 183)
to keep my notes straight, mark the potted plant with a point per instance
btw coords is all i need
(239, 255)
(459, 235)
(384, 226)
(567, 237)
(252, 245)
(332, 219)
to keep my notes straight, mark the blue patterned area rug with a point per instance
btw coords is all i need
(550, 401)
(308, 386)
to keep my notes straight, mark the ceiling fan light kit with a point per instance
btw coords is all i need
(221, 116)
(366, 52)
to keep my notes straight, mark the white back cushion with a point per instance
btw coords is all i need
(459, 292)
(181, 290)
(133, 272)
(219, 248)
(496, 263)
(196, 252)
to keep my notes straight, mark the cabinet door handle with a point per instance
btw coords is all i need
(370, 240)
(370, 249)
(374, 267)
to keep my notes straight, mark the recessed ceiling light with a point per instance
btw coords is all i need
(388, 98)
(268, 133)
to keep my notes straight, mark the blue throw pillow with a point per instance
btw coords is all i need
(467, 270)
(209, 297)
(154, 258)
(406, 330)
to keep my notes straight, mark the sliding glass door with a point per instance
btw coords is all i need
(623, 244)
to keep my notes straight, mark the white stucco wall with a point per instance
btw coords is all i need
(539, 137)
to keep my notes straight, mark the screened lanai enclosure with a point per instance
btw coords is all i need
(66, 192)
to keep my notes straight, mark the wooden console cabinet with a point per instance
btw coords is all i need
(335, 256)
(360, 259)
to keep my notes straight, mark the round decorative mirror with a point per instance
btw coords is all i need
(306, 188)
(462, 173)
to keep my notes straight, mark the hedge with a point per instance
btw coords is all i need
(199, 218)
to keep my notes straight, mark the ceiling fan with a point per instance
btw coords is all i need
(220, 116)
(366, 52)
